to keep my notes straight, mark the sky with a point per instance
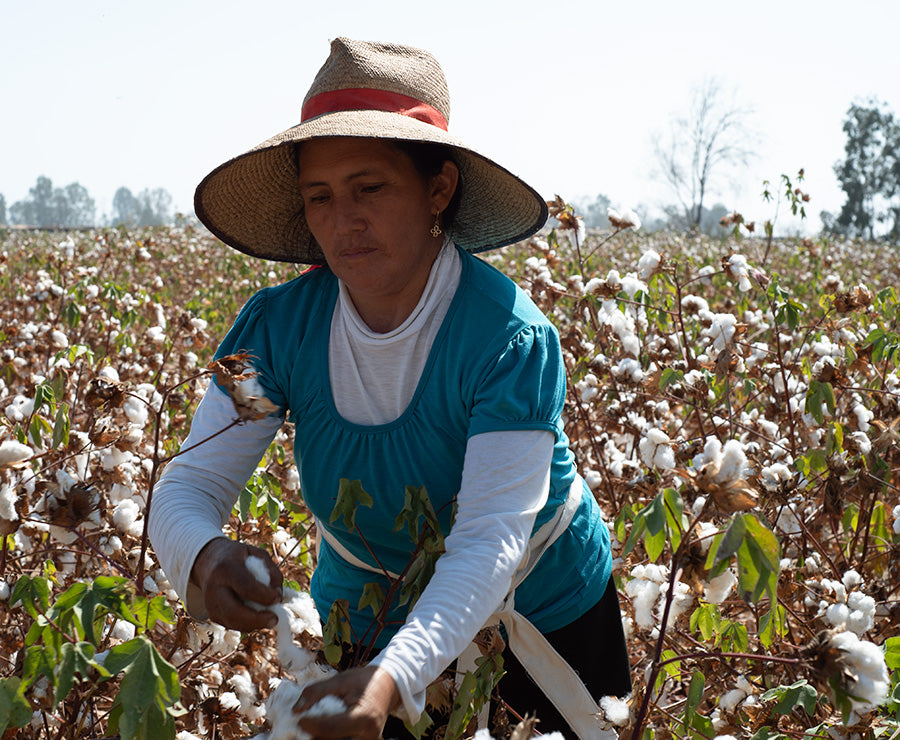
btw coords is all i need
(567, 95)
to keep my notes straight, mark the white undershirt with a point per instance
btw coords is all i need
(505, 483)
(374, 376)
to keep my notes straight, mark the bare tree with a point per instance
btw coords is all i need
(715, 134)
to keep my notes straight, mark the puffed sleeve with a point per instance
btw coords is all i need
(523, 387)
(255, 333)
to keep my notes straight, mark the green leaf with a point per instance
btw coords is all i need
(420, 727)
(65, 671)
(372, 596)
(772, 624)
(39, 427)
(726, 544)
(668, 376)
(655, 514)
(350, 495)
(15, 711)
(149, 682)
(244, 502)
(675, 519)
(61, 426)
(637, 529)
(767, 733)
(416, 505)
(38, 661)
(146, 612)
(797, 694)
(34, 593)
(892, 652)
(735, 637)
(694, 696)
(462, 711)
(671, 669)
(336, 631)
(705, 619)
(655, 544)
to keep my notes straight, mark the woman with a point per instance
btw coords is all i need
(403, 361)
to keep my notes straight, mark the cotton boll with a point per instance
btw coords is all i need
(648, 263)
(866, 680)
(837, 615)
(136, 410)
(13, 453)
(734, 462)
(8, 498)
(616, 710)
(718, 589)
(245, 691)
(125, 514)
(291, 479)
(711, 456)
(328, 706)
(682, 598)
(863, 417)
(698, 505)
(258, 569)
(774, 476)
(656, 451)
(788, 522)
(730, 699)
(122, 631)
(113, 457)
(229, 700)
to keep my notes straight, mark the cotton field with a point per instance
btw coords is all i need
(734, 406)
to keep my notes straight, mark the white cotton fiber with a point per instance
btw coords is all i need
(328, 706)
(616, 710)
(258, 569)
(125, 514)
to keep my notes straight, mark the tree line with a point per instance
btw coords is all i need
(715, 139)
(72, 206)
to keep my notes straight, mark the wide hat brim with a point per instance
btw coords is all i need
(253, 202)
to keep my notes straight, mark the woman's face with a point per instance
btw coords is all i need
(372, 212)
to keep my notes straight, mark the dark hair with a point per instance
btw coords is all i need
(428, 158)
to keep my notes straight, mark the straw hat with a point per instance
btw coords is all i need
(384, 91)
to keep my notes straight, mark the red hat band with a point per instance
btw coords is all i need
(362, 98)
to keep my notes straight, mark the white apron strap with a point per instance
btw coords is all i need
(554, 676)
(549, 670)
(346, 555)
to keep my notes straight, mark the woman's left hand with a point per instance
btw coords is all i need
(369, 693)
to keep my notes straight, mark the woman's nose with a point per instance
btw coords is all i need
(347, 215)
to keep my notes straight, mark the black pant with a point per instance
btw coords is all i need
(594, 645)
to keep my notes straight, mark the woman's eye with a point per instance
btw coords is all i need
(374, 188)
(317, 199)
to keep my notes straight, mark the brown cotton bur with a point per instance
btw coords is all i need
(104, 392)
(232, 370)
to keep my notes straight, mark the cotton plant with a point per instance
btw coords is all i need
(295, 614)
(842, 604)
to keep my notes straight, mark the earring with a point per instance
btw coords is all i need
(436, 229)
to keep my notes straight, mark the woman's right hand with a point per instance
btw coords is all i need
(221, 573)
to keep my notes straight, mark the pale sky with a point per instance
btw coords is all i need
(565, 94)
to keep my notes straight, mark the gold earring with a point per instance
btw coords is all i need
(436, 229)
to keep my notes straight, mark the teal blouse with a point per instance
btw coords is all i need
(495, 365)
